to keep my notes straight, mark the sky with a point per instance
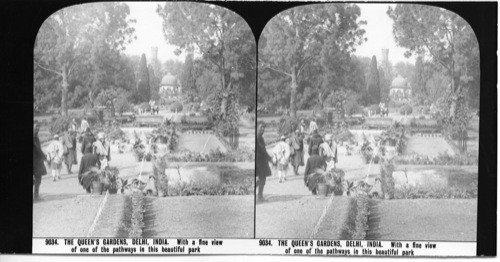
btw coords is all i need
(148, 29)
(379, 34)
(149, 33)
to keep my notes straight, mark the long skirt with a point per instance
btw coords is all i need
(70, 157)
(298, 158)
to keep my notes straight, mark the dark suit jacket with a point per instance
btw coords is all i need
(262, 158)
(314, 162)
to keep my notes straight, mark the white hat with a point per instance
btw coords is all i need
(100, 135)
(56, 136)
(328, 137)
(282, 137)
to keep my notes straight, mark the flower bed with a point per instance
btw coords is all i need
(441, 159)
(241, 154)
(417, 192)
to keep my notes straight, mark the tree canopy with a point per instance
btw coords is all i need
(450, 42)
(317, 35)
(222, 38)
(82, 43)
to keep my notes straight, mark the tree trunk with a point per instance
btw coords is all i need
(293, 94)
(64, 93)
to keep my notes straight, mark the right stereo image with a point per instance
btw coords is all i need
(367, 124)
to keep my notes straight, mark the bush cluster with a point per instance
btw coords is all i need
(238, 155)
(288, 125)
(441, 160)
(406, 110)
(362, 213)
(417, 192)
(388, 185)
(245, 188)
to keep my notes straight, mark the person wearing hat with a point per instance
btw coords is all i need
(39, 157)
(314, 143)
(88, 161)
(55, 152)
(262, 159)
(88, 139)
(313, 126)
(84, 125)
(69, 139)
(328, 151)
(282, 153)
(297, 143)
(102, 150)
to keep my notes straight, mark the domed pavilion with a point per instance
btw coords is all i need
(170, 87)
(400, 89)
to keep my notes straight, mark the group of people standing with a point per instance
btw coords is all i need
(62, 149)
(322, 153)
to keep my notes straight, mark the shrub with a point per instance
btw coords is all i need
(362, 212)
(60, 124)
(416, 192)
(287, 125)
(145, 106)
(374, 109)
(176, 107)
(352, 107)
(406, 110)
(388, 185)
(116, 134)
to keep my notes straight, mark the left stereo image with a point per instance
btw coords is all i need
(144, 122)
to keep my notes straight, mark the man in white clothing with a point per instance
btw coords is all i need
(282, 153)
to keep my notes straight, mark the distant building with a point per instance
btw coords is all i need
(170, 87)
(400, 90)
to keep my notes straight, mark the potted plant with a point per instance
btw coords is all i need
(336, 181)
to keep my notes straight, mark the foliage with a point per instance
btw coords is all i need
(375, 109)
(122, 104)
(188, 78)
(245, 187)
(406, 110)
(222, 38)
(362, 213)
(239, 155)
(373, 82)
(450, 42)
(291, 48)
(116, 134)
(79, 44)
(453, 192)
(176, 107)
(287, 125)
(442, 159)
(388, 185)
(143, 81)
(60, 124)
(352, 105)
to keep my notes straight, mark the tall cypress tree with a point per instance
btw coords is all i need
(143, 81)
(373, 83)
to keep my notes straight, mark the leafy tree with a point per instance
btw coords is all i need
(71, 37)
(295, 38)
(385, 85)
(420, 78)
(225, 40)
(404, 69)
(188, 78)
(450, 42)
(154, 84)
(373, 83)
(143, 80)
(173, 67)
(221, 36)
